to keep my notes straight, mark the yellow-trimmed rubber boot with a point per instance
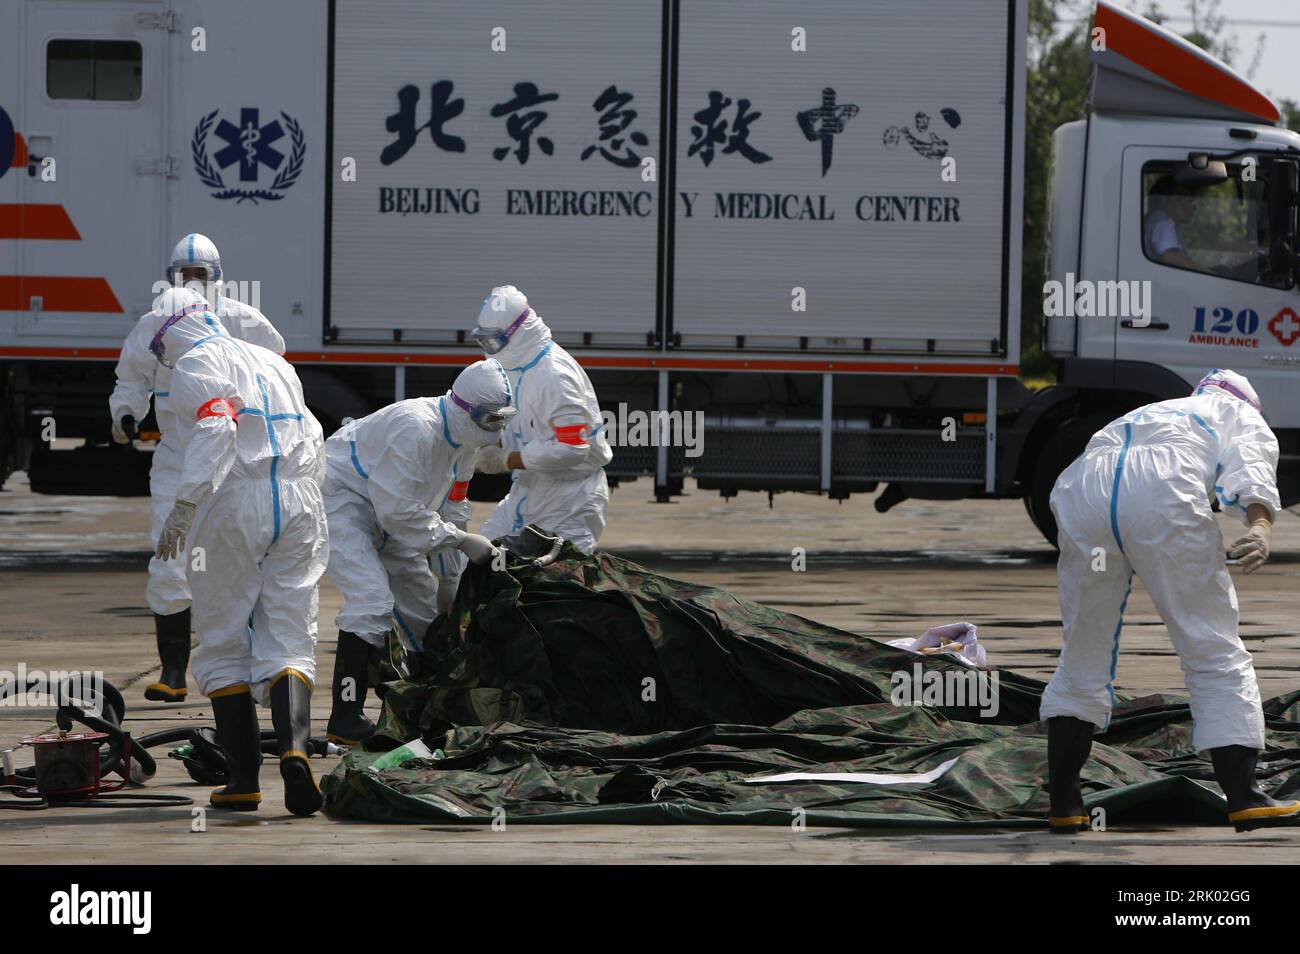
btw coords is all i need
(240, 738)
(1069, 741)
(348, 724)
(1248, 807)
(291, 714)
(173, 634)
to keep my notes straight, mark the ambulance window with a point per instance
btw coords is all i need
(1221, 228)
(93, 69)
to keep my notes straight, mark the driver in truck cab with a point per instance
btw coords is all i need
(1169, 209)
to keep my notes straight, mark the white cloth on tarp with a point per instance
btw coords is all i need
(959, 640)
(865, 778)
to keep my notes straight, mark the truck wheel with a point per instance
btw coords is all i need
(1028, 500)
(1058, 453)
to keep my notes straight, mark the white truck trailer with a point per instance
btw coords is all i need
(799, 219)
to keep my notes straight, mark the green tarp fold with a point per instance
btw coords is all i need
(592, 690)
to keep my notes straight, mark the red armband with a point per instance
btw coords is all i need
(217, 407)
(572, 434)
(458, 490)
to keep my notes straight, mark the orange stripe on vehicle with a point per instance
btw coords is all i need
(596, 362)
(57, 293)
(36, 222)
(79, 354)
(673, 363)
(1183, 68)
(458, 490)
(572, 434)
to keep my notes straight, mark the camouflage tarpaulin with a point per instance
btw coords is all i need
(592, 690)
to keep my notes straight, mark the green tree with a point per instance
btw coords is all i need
(1290, 114)
(1056, 84)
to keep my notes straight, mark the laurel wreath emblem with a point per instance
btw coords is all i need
(211, 177)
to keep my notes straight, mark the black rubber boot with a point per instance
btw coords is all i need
(348, 724)
(173, 634)
(240, 738)
(1069, 741)
(291, 714)
(1248, 807)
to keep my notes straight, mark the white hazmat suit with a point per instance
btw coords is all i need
(140, 374)
(395, 496)
(1140, 493)
(248, 500)
(558, 432)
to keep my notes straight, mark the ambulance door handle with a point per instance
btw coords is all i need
(1153, 326)
(39, 148)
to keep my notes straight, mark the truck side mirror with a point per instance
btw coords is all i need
(1282, 175)
(1281, 261)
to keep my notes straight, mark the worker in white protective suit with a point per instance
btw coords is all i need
(395, 498)
(249, 505)
(1138, 500)
(139, 374)
(555, 448)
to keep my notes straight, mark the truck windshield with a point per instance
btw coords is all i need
(1221, 228)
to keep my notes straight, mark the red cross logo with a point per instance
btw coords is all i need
(1285, 326)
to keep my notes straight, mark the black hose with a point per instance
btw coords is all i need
(36, 803)
(123, 800)
(119, 743)
(66, 715)
(162, 737)
(113, 703)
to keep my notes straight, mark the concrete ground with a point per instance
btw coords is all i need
(72, 572)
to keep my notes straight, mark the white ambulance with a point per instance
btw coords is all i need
(801, 220)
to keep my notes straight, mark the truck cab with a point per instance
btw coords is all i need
(1173, 236)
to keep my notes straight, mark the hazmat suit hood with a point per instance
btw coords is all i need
(479, 404)
(184, 318)
(195, 251)
(506, 315)
(1223, 381)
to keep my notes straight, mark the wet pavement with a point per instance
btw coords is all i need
(72, 573)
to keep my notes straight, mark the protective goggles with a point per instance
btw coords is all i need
(156, 343)
(488, 418)
(210, 273)
(492, 340)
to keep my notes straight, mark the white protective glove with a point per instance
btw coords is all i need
(478, 548)
(492, 459)
(120, 435)
(446, 595)
(1252, 549)
(171, 542)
